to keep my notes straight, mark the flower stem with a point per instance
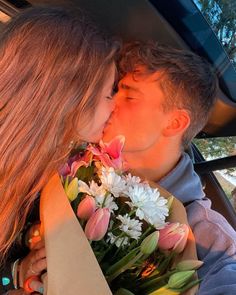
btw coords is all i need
(118, 249)
(165, 263)
(190, 285)
(104, 200)
(131, 212)
(109, 248)
(155, 279)
(124, 268)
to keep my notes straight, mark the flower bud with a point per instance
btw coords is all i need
(149, 244)
(123, 291)
(72, 190)
(189, 265)
(97, 224)
(86, 208)
(164, 291)
(179, 279)
(170, 202)
(173, 237)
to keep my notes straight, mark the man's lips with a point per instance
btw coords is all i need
(108, 125)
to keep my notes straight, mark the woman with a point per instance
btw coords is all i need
(56, 82)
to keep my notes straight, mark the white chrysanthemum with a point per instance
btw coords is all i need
(131, 180)
(112, 182)
(132, 227)
(149, 205)
(106, 202)
(93, 189)
(122, 241)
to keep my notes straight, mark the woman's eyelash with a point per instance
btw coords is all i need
(115, 89)
(113, 92)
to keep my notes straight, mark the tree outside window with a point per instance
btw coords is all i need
(221, 15)
(219, 147)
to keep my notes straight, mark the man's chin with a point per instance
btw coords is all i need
(106, 137)
(107, 134)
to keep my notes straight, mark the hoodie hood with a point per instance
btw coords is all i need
(183, 182)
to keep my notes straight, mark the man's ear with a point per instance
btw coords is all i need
(177, 123)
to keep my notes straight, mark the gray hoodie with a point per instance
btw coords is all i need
(215, 238)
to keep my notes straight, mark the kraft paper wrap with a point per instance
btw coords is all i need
(72, 268)
(71, 265)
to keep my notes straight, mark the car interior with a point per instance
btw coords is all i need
(179, 24)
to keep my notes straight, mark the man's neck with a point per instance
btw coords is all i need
(154, 163)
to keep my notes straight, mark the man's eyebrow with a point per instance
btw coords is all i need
(128, 87)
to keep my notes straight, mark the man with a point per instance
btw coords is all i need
(164, 99)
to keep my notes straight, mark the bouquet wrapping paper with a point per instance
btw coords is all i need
(72, 267)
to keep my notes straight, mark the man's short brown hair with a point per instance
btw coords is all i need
(187, 80)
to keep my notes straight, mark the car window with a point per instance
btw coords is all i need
(220, 147)
(221, 15)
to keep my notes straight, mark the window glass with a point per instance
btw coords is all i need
(221, 15)
(220, 147)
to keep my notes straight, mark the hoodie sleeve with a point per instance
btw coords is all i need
(216, 247)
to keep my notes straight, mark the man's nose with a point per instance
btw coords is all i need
(113, 104)
(116, 98)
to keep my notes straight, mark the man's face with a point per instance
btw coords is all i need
(138, 113)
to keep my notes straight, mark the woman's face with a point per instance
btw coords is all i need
(93, 131)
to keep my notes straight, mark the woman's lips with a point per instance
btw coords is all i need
(106, 126)
(108, 122)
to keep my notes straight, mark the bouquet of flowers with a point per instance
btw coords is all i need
(126, 222)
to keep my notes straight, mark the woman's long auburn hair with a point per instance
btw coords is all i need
(53, 66)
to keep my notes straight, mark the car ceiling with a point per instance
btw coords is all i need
(140, 20)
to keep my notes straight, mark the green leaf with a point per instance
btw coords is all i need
(123, 291)
(85, 173)
(124, 267)
(122, 262)
(190, 285)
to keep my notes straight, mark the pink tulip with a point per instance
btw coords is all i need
(97, 224)
(86, 208)
(173, 237)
